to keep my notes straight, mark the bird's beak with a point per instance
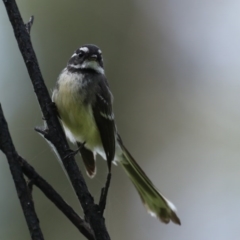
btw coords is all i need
(93, 57)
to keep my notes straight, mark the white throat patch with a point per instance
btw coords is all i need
(91, 65)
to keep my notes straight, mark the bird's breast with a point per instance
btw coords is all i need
(77, 116)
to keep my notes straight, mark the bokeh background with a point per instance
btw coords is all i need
(174, 69)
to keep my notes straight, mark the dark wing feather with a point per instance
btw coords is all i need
(102, 111)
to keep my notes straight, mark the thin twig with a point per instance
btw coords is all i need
(29, 24)
(104, 193)
(24, 195)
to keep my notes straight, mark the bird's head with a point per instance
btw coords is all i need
(87, 57)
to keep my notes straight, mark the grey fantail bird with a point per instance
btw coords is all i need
(84, 103)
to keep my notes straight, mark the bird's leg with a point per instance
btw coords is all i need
(73, 153)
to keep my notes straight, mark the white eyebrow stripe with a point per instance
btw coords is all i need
(84, 49)
(99, 51)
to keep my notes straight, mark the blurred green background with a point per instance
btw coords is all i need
(173, 67)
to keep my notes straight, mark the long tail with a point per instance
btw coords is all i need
(154, 201)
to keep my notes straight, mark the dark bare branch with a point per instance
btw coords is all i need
(56, 199)
(24, 195)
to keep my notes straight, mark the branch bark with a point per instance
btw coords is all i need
(56, 199)
(24, 195)
(55, 133)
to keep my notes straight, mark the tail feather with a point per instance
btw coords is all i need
(154, 201)
(88, 160)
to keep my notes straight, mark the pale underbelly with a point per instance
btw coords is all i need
(80, 126)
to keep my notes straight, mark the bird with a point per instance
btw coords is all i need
(85, 106)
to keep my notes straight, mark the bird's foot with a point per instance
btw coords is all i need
(73, 153)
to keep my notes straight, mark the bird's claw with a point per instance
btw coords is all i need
(73, 153)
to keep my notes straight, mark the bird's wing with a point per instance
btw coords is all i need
(104, 117)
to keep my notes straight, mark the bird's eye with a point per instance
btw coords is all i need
(81, 53)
